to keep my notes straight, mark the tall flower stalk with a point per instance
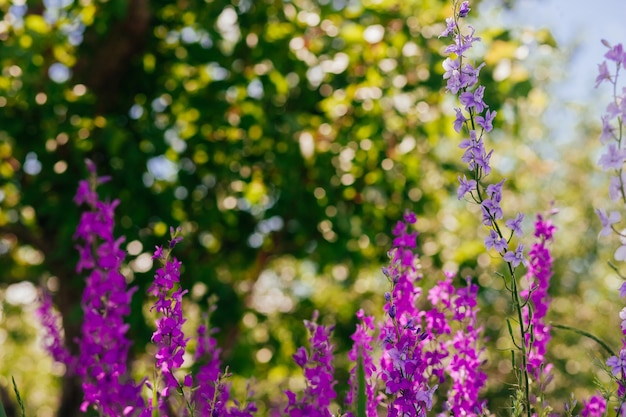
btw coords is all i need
(211, 393)
(613, 160)
(361, 355)
(103, 343)
(53, 340)
(318, 374)
(464, 368)
(537, 301)
(477, 120)
(168, 336)
(403, 364)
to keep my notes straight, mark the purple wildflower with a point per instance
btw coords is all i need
(516, 224)
(469, 76)
(491, 211)
(464, 9)
(595, 406)
(451, 67)
(450, 26)
(459, 121)
(616, 187)
(515, 258)
(618, 364)
(362, 348)
(607, 220)
(318, 374)
(211, 393)
(168, 336)
(465, 365)
(496, 242)
(494, 191)
(106, 301)
(404, 363)
(465, 187)
(487, 121)
(616, 54)
(474, 100)
(603, 74)
(539, 275)
(53, 339)
(206, 399)
(613, 158)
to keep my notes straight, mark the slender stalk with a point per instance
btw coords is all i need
(587, 335)
(520, 318)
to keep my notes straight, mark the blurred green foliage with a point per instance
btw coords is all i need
(286, 138)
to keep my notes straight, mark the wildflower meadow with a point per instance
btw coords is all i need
(423, 343)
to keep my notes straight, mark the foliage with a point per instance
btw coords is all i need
(285, 139)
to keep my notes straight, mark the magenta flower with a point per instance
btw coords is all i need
(318, 374)
(464, 368)
(103, 343)
(53, 339)
(595, 406)
(404, 364)
(211, 394)
(362, 349)
(538, 275)
(168, 336)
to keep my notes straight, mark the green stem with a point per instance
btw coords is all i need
(587, 335)
(520, 318)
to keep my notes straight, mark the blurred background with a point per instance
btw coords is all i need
(286, 138)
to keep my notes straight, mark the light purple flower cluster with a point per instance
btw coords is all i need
(612, 134)
(102, 362)
(613, 160)
(362, 349)
(462, 80)
(318, 374)
(538, 275)
(168, 336)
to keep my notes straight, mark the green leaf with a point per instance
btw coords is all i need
(2, 412)
(361, 394)
(19, 398)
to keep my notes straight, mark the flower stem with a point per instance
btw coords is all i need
(587, 335)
